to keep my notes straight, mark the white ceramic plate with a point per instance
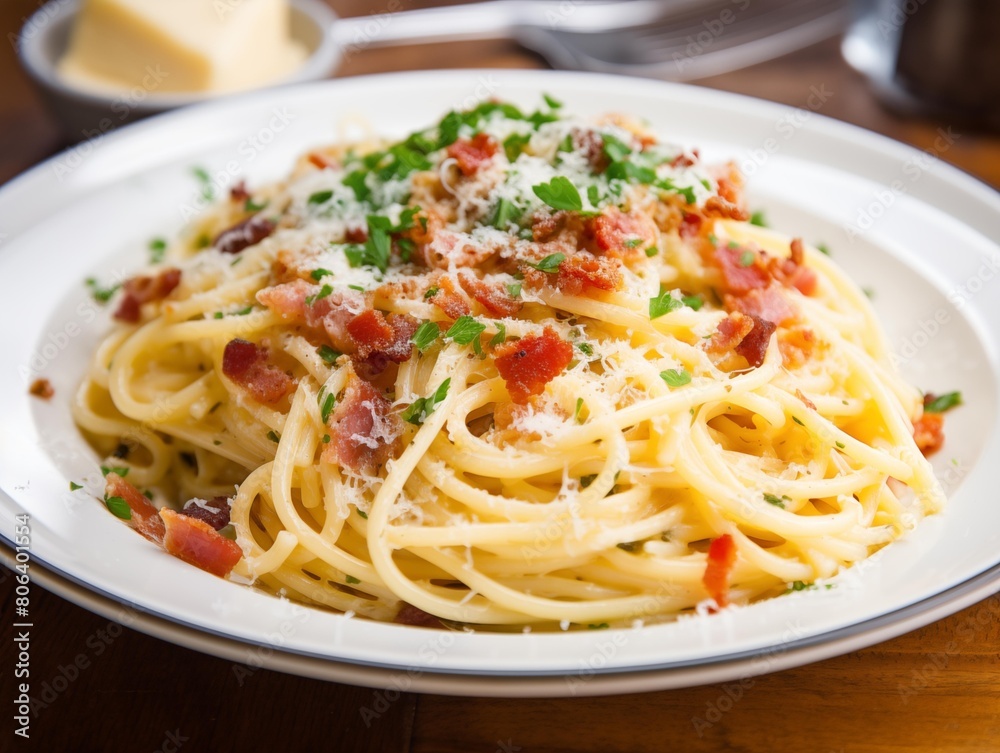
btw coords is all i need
(915, 230)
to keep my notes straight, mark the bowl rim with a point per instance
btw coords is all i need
(51, 16)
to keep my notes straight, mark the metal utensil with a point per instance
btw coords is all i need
(671, 39)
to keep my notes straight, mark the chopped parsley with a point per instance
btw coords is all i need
(665, 184)
(747, 258)
(630, 546)
(121, 470)
(73, 486)
(758, 219)
(504, 215)
(319, 274)
(118, 507)
(157, 248)
(254, 206)
(586, 348)
(693, 301)
(98, 293)
(352, 580)
(422, 407)
(501, 336)
(551, 101)
(775, 500)
(823, 248)
(942, 403)
(663, 304)
(465, 330)
(676, 377)
(328, 354)
(207, 189)
(514, 289)
(363, 514)
(550, 264)
(356, 182)
(274, 436)
(323, 293)
(320, 197)
(514, 144)
(326, 408)
(797, 420)
(559, 193)
(431, 292)
(426, 334)
(579, 407)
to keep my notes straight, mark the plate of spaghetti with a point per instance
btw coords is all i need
(522, 383)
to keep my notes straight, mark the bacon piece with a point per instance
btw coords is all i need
(356, 234)
(691, 225)
(719, 568)
(729, 333)
(491, 296)
(145, 517)
(928, 433)
(144, 289)
(249, 232)
(583, 271)
(528, 364)
(592, 145)
(197, 543)
(363, 428)
(41, 388)
(472, 154)
(248, 366)
(411, 615)
(739, 278)
(683, 160)
(321, 161)
(239, 193)
(616, 233)
(764, 303)
(792, 271)
(331, 313)
(797, 346)
(380, 341)
(448, 300)
(753, 347)
(215, 511)
(716, 206)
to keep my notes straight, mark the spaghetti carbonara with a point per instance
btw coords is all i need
(518, 368)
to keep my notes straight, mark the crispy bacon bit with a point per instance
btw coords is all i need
(797, 346)
(619, 234)
(683, 160)
(248, 366)
(719, 568)
(591, 144)
(691, 225)
(928, 433)
(380, 341)
(363, 428)
(215, 511)
(583, 271)
(41, 388)
(764, 303)
(730, 333)
(805, 400)
(491, 296)
(356, 234)
(145, 517)
(472, 154)
(547, 227)
(321, 161)
(792, 271)
(331, 313)
(239, 193)
(197, 543)
(718, 207)
(249, 232)
(144, 289)
(739, 278)
(753, 347)
(448, 300)
(528, 364)
(411, 615)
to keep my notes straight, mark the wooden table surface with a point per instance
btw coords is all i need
(936, 689)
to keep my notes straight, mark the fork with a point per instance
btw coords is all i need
(671, 39)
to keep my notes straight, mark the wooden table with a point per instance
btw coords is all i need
(936, 689)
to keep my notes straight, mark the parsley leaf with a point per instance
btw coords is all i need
(615, 149)
(514, 144)
(551, 101)
(329, 402)
(157, 248)
(352, 580)
(73, 486)
(320, 197)
(676, 377)
(772, 499)
(274, 436)
(501, 336)
(118, 507)
(693, 301)
(504, 215)
(120, 470)
(514, 289)
(668, 185)
(663, 304)
(448, 129)
(586, 348)
(550, 264)
(323, 293)
(579, 407)
(328, 354)
(758, 219)
(356, 182)
(318, 274)
(426, 334)
(99, 294)
(559, 193)
(942, 403)
(465, 330)
(422, 407)
(747, 258)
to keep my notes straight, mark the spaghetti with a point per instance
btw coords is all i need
(515, 369)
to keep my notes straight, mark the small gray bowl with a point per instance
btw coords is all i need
(84, 114)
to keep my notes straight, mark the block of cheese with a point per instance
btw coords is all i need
(180, 45)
